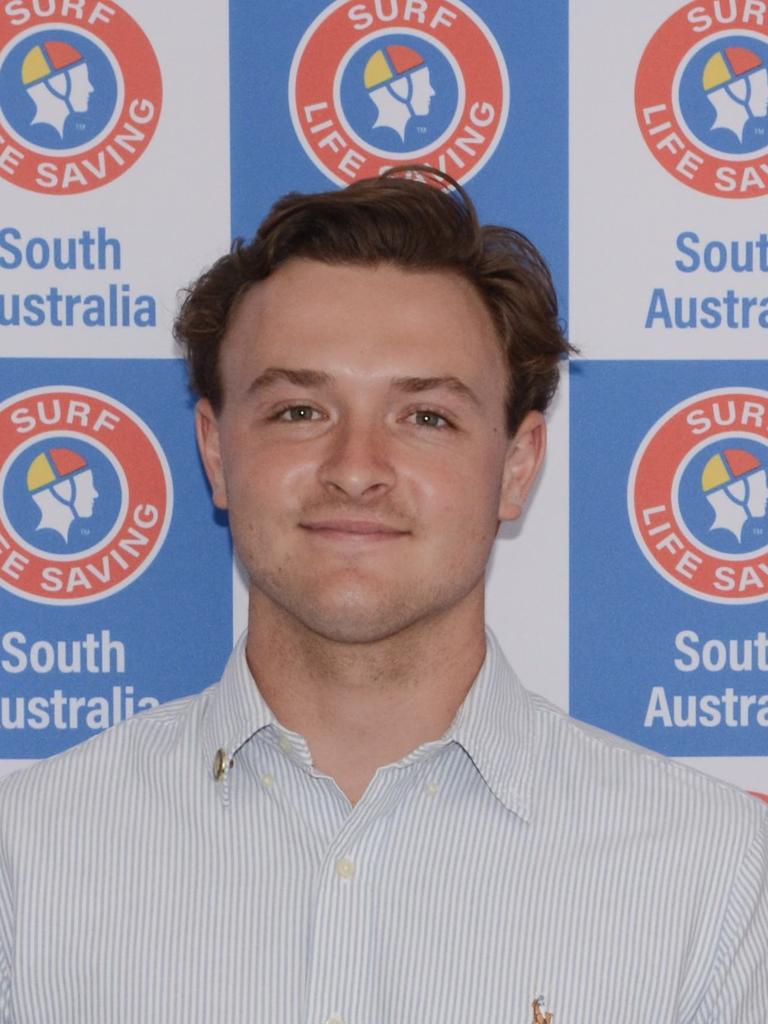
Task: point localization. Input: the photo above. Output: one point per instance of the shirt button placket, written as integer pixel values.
(340, 901)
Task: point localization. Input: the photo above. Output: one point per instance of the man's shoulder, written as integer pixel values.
(156, 740)
(585, 761)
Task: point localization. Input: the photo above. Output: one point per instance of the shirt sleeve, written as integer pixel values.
(738, 989)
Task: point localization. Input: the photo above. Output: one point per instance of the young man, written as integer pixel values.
(369, 820)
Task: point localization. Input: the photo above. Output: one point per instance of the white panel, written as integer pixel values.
(8, 766)
(527, 594)
(627, 211)
(169, 212)
(239, 599)
(744, 772)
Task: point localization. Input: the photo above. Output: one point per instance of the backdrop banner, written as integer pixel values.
(632, 150)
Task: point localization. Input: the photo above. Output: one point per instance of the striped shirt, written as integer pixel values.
(190, 865)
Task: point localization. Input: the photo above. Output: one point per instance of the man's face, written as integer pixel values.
(361, 447)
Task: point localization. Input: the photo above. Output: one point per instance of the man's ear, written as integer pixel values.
(209, 443)
(525, 454)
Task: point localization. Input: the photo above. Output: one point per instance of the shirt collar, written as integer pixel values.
(237, 709)
(494, 725)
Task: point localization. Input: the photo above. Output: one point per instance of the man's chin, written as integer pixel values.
(356, 621)
(363, 610)
(355, 627)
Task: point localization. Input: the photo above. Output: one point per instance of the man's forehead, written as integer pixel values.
(379, 325)
(347, 285)
(383, 301)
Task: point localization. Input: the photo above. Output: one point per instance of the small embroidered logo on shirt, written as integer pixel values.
(540, 1014)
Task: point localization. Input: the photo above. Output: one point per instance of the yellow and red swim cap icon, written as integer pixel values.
(390, 62)
(727, 467)
(50, 467)
(51, 59)
(727, 65)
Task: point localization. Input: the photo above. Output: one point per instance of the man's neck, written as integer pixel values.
(362, 706)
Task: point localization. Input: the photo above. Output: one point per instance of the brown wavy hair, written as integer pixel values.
(426, 223)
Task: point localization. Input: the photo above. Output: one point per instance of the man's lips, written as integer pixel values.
(354, 527)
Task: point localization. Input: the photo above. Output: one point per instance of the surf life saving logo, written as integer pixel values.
(376, 85)
(80, 94)
(698, 495)
(701, 96)
(85, 495)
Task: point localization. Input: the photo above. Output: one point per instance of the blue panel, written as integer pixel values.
(668, 628)
(524, 181)
(110, 616)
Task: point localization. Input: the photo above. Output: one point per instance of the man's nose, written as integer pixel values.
(358, 459)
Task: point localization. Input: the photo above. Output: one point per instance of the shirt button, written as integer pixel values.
(285, 744)
(431, 788)
(344, 867)
(221, 763)
(267, 780)
(333, 1020)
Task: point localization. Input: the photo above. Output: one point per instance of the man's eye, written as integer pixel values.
(296, 414)
(429, 418)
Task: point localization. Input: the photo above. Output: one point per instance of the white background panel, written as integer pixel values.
(745, 772)
(527, 595)
(170, 210)
(627, 211)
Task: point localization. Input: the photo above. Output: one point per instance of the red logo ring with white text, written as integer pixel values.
(368, 92)
(85, 495)
(698, 495)
(80, 95)
(701, 96)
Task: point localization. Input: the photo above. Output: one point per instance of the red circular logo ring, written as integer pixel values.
(671, 547)
(339, 31)
(64, 415)
(79, 168)
(660, 83)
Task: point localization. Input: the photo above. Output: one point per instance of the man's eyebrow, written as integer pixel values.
(318, 378)
(301, 378)
(454, 384)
